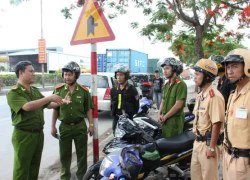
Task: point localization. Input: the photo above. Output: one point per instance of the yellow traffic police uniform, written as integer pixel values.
(238, 130)
(210, 109)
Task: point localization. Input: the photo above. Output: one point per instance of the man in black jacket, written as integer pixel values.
(123, 96)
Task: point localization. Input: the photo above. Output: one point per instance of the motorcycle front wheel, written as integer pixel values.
(93, 172)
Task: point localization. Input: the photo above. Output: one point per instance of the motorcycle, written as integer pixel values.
(141, 130)
(166, 158)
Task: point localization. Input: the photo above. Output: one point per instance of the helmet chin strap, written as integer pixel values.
(71, 84)
(238, 80)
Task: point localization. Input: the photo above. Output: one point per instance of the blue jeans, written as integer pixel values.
(157, 99)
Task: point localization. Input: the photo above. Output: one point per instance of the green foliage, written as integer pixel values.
(49, 79)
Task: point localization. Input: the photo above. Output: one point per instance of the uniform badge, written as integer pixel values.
(211, 93)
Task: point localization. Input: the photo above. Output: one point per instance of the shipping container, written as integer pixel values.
(152, 65)
(101, 62)
(135, 60)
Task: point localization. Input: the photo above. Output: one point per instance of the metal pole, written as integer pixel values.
(94, 99)
(42, 38)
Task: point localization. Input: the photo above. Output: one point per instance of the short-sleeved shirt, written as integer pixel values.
(171, 94)
(239, 128)
(158, 85)
(209, 107)
(16, 98)
(81, 102)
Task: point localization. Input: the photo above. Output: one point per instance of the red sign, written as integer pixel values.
(92, 25)
(41, 51)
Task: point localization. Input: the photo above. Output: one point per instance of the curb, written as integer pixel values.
(53, 172)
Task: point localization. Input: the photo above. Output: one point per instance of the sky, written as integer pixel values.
(20, 27)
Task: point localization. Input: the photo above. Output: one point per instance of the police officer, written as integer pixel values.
(124, 96)
(73, 126)
(26, 104)
(171, 113)
(209, 115)
(236, 158)
(224, 84)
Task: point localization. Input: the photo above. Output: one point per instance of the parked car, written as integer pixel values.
(105, 81)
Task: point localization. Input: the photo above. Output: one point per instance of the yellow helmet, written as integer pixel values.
(207, 66)
(239, 55)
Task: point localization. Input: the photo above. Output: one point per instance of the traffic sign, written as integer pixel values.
(92, 25)
(41, 51)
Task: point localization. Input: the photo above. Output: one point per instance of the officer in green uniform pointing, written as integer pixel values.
(26, 104)
(73, 126)
(171, 112)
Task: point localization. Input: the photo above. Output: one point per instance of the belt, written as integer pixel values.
(235, 152)
(200, 138)
(72, 123)
(29, 130)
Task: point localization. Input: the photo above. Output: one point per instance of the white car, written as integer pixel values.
(105, 81)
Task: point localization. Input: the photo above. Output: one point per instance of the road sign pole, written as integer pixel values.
(94, 100)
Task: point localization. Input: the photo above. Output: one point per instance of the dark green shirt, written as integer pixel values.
(16, 98)
(172, 93)
(80, 103)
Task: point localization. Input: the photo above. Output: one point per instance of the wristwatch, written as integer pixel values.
(91, 125)
(211, 149)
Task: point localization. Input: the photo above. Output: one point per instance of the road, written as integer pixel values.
(51, 149)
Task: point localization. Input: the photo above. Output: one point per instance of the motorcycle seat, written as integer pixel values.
(177, 143)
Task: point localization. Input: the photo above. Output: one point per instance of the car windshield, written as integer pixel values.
(85, 80)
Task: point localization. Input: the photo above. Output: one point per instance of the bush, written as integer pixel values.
(49, 79)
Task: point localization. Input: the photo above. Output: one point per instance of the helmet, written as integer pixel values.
(179, 68)
(190, 104)
(72, 67)
(208, 68)
(239, 55)
(123, 69)
(170, 62)
(218, 59)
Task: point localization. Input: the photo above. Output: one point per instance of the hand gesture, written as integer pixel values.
(56, 99)
(67, 99)
(53, 131)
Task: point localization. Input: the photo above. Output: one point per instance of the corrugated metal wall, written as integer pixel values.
(137, 61)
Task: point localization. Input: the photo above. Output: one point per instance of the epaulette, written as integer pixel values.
(177, 81)
(84, 88)
(59, 86)
(34, 87)
(211, 93)
(14, 87)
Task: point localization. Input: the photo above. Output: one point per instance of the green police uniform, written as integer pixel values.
(73, 128)
(27, 137)
(172, 93)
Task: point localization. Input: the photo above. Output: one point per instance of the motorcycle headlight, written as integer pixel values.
(106, 163)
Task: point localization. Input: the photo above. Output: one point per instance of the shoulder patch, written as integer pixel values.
(177, 81)
(211, 93)
(34, 87)
(84, 88)
(59, 86)
(14, 87)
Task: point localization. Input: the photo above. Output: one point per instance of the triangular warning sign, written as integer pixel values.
(92, 25)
